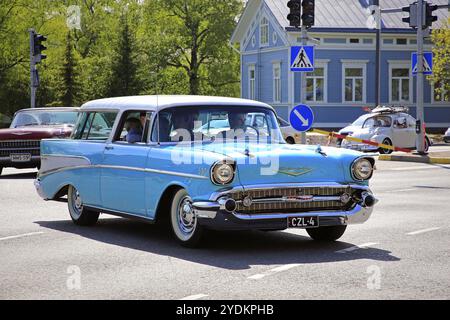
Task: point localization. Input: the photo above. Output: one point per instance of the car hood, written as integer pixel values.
(35, 132)
(349, 129)
(283, 163)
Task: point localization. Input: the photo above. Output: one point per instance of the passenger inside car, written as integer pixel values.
(134, 130)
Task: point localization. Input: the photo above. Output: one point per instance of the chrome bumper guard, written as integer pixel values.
(360, 212)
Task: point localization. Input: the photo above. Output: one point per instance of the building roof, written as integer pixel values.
(354, 13)
(161, 102)
(341, 15)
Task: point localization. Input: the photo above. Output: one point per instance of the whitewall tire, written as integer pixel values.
(183, 220)
(79, 214)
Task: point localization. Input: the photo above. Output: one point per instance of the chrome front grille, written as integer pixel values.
(20, 146)
(286, 200)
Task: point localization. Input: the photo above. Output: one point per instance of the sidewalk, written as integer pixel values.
(440, 157)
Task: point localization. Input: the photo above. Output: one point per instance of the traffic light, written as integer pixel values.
(38, 47)
(429, 18)
(412, 18)
(308, 13)
(295, 13)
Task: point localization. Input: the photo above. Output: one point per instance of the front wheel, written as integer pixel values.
(326, 233)
(183, 220)
(79, 214)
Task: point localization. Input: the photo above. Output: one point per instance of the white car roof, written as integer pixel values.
(166, 101)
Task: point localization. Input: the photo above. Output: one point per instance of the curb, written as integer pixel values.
(424, 159)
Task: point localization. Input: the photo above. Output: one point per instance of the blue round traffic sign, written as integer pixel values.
(301, 118)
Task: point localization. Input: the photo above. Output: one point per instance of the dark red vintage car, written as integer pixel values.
(20, 143)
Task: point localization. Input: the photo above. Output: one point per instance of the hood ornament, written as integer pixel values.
(295, 172)
(320, 151)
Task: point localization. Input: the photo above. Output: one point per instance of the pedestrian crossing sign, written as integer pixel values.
(427, 63)
(302, 58)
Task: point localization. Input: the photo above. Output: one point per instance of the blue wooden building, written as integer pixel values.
(343, 82)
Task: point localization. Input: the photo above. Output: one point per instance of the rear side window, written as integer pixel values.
(94, 125)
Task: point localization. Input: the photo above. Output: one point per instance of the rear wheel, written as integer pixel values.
(183, 220)
(326, 233)
(386, 151)
(1, 169)
(79, 214)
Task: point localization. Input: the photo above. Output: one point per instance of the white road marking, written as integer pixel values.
(195, 297)
(400, 190)
(257, 276)
(422, 231)
(424, 167)
(361, 246)
(274, 270)
(21, 235)
(284, 267)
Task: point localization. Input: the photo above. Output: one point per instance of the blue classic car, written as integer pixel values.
(197, 162)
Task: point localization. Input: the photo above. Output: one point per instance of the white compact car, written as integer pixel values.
(388, 125)
(447, 136)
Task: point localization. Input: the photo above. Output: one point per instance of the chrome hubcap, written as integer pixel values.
(186, 216)
(77, 204)
(77, 201)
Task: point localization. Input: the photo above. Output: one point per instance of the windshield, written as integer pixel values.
(44, 118)
(360, 121)
(217, 124)
(378, 122)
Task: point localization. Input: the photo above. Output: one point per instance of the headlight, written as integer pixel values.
(362, 169)
(222, 173)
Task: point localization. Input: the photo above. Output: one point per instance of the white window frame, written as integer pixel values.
(251, 82)
(276, 90)
(264, 25)
(355, 64)
(320, 64)
(400, 64)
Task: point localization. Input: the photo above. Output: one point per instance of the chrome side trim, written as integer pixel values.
(216, 195)
(172, 173)
(120, 213)
(53, 162)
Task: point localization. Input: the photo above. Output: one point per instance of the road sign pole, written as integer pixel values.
(378, 55)
(32, 71)
(420, 78)
(303, 81)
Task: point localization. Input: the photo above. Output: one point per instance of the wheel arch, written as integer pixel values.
(165, 201)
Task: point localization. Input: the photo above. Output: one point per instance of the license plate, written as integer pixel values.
(303, 222)
(20, 157)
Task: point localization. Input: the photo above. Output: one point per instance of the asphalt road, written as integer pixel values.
(402, 252)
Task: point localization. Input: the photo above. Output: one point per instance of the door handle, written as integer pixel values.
(109, 148)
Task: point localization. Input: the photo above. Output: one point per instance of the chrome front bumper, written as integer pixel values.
(359, 213)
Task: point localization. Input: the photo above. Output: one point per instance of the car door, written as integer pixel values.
(122, 182)
(400, 132)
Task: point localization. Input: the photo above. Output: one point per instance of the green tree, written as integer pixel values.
(124, 79)
(70, 88)
(194, 37)
(441, 63)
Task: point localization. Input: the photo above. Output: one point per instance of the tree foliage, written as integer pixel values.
(118, 47)
(441, 63)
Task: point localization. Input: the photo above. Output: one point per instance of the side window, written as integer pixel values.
(133, 127)
(94, 126)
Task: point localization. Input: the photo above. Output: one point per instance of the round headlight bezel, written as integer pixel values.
(356, 172)
(222, 165)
